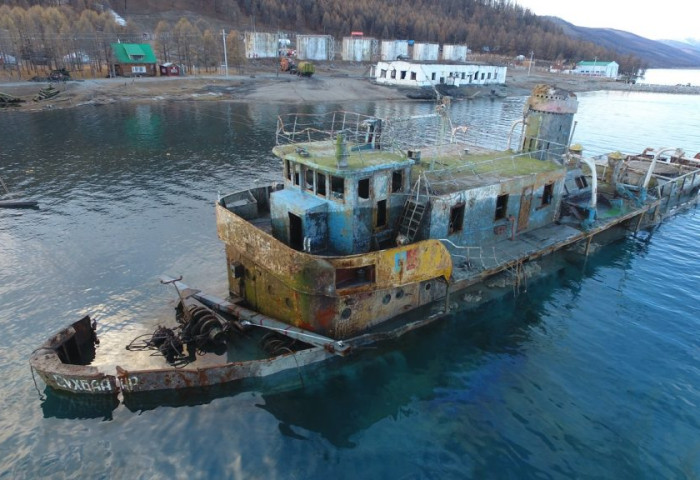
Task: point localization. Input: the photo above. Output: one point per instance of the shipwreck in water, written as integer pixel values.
(373, 219)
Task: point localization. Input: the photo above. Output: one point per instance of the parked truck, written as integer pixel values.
(303, 69)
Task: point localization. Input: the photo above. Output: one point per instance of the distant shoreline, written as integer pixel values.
(331, 83)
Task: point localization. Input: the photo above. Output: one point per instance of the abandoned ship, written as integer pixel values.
(375, 218)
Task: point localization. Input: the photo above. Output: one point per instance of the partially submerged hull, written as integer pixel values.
(363, 231)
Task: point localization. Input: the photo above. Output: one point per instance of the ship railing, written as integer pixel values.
(474, 254)
(295, 128)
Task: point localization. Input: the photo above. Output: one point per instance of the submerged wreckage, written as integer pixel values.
(375, 218)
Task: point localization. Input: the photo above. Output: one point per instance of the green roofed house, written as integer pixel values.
(597, 68)
(133, 60)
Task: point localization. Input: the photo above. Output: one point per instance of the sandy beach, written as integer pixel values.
(332, 82)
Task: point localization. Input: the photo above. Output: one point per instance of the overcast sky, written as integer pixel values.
(668, 19)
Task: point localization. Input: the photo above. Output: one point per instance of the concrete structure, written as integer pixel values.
(454, 53)
(359, 49)
(315, 47)
(425, 74)
(597, 69)
(394, 50)
(426, 52)
(261, 45)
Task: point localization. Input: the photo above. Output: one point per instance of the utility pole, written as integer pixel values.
(223, 35)
(532, 54)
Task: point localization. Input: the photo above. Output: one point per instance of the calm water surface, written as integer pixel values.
(594, 372)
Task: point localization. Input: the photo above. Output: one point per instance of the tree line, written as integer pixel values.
(77, 33)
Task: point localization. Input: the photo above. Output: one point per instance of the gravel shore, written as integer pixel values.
(332, 82)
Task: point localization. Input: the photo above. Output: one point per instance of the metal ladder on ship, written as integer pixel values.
(413, 211)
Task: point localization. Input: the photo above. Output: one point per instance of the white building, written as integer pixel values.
(261, 45)
(359, 49)
(315, 47)
(426, 52)
(597, 69)
(426, 74)
(454, 53)
(394, 49)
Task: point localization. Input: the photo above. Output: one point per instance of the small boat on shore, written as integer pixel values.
(374, 229)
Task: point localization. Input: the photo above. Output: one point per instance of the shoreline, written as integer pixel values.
(330, 84)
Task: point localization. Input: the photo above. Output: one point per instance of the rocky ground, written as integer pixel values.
(332, 82)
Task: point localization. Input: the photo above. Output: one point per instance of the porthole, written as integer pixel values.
(288, 302)
(386, 299)
(427, 286)
(346, 314)
(399, 293)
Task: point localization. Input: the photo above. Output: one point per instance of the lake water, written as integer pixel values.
(594, 372)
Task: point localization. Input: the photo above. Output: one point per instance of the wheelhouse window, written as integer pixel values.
(501, 207)
(456, 218)
(547, 194)
(397, 181)
(320, 184)
(297, 174)
(337, 187)
(363, 188)
(381, 214)
(581, 182)
(309, 179)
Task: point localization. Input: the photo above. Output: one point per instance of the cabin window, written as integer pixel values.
(393, 74)
(489, 76)
(547, 194)
(581, 182)
(288, 170)
(463, 75)
(354, 277)
(363, 188)
(433, 76)
(403, 74)
(413, 75)
(456, 218)
(396, 181)
(337, 186)
(297, 174)
(309, 179)
(320, 184)
(382, 73)
(381, 214)
(501, 207)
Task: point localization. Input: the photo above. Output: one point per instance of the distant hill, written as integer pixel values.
(657, 54)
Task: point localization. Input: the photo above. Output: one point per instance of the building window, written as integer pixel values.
(363, 188)
(337, 186)
(382, 73)
(463, 74)
(397, 181)
(403, 74)
(393, 74)
(501, 207)
(547, 194)
(456, 219)
(433, 76)
(413, 75)
(489, 76)
(320, 184)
